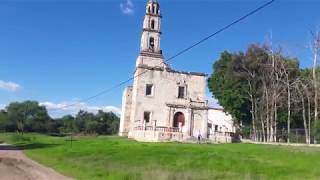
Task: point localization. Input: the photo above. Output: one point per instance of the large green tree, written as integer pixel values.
(253, 85)
(229, 89)
(28, 115)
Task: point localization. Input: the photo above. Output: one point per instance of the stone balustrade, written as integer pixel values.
(221, 137)
(158, 128)
(167, 129)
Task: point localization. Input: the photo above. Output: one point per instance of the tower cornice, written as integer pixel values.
(154, 15)
(151, 30)
(151, 54)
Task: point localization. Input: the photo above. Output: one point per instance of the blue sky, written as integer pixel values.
(61, 51)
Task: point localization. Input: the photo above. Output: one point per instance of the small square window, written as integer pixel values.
(181, 92)
(149, 90)
(147, 117)
(216, 128)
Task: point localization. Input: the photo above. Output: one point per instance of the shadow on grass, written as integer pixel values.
(26, 146)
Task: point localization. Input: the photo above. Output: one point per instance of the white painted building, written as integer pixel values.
(220, 125)
(219, 120)
(163, 104)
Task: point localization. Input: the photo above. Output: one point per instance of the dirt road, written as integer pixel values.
(14, 165)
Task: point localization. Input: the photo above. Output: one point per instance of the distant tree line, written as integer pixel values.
(29, 116)
(267, 92)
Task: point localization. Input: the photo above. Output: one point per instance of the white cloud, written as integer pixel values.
(9, 86)
(127, 7)
(60, 109)
(2, 106)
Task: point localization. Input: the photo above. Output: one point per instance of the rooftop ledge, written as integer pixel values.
(143, 66)
(188, 73)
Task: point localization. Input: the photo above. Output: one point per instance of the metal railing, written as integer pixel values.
(282, 136)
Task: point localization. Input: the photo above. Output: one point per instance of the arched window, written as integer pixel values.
(152, 24)
(151, 43)
(153, 9)
(149, 10)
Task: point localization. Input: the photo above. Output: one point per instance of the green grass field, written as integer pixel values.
(119, 158)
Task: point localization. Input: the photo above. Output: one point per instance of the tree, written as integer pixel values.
(66, 124)
(101, 123)
(315, 47)
(3, 120)
(229, 89)
(115, 123)
(80, 119)
(28, 115)
(259, 80)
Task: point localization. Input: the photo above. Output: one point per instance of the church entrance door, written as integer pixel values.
(178, 119)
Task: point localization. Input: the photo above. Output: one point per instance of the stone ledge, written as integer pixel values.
(154, 15)
(187, 106)
(188, 73)
(171, 70)
(151, 54)
(151, 30)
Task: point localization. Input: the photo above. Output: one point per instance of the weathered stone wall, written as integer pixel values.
(165, 92)
(126, 111)
(220, 138)
(200, 123)
(155, 61)
(155, 136)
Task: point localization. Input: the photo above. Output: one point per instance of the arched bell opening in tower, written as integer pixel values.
(151, 44)
(152, 24)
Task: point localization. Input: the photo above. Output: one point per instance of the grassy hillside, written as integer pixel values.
(120, 158)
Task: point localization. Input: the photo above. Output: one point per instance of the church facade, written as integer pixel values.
(162, 104)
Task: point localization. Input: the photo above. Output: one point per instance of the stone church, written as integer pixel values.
(163, 104)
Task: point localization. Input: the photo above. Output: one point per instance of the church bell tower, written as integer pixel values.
(150, 40)
(150, 51)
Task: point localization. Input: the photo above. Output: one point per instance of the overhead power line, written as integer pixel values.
(181, 52)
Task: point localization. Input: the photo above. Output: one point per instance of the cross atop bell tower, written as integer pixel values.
(150, 40)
